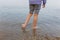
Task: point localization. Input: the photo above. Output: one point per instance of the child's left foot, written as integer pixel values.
(34, 31)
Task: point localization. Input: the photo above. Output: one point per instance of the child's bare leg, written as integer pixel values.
(27, 20)
(35, 22)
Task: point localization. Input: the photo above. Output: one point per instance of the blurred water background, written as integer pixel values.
(14, 12)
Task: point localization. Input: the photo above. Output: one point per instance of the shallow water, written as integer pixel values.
(11, 19)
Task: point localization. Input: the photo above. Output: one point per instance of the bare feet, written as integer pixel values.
(34, 31)
(23, 27)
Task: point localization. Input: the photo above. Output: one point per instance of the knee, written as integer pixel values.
(35, 14)
(31, 14)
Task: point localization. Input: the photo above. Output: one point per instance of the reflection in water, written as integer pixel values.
(28, 36)
(9, 31)
(34, 35)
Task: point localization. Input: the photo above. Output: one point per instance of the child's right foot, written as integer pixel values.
(23, 27)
